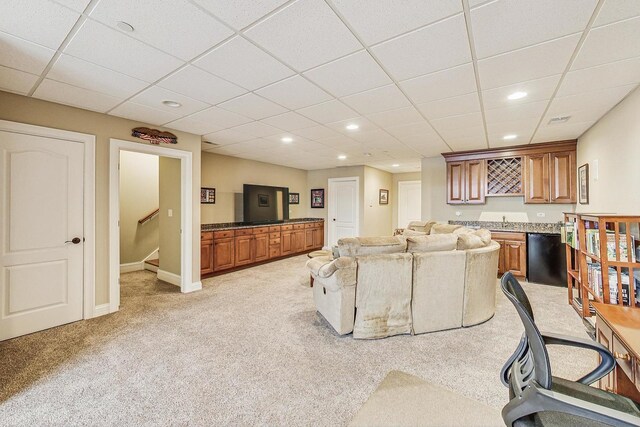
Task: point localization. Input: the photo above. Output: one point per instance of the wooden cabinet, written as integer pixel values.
(206, 253)
(243, 250)
(536, 178)
(562, 175)
(287, 245)
(318, 236)
(223, 254)
(260, 247)
(513, 252)
(466, 182)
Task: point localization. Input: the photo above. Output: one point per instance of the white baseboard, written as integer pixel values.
(195, 286)
(131, 266)
(172, 278)
(150, 267)
(101, 310)
(153, 255)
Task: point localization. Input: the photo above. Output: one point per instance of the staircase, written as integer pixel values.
(152, 265)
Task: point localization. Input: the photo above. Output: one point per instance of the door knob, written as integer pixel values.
(334, 219)
(75, 240)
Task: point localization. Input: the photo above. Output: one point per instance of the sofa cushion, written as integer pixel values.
(358, 246)
(463, 230)
(474, 240)
(409, 232)
(444, 228)
(424, 226)
(432, 243)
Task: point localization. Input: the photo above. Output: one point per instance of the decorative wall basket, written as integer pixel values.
(154, 136)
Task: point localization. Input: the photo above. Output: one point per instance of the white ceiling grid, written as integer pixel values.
(418, 77)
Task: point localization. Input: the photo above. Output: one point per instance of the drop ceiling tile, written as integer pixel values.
(391, 18)
(523, 138)
(257, 129)
(596, 102)
(304, 34)
(504, 25)
(197, 84)
(76, 72)
(23, 55)
(338, 142)
(617, 10)
(443, 84)
(328, 112)
(240, 13)
(535, 62)
(77, 5)
(195, 31)
(237, 61)
(560, 132)
(530, 110)
(418, 128)
(522, 128)
(609, 43)
(613, 74)
(455, 106)
(433, 48)
(471, 142)
(253, 106)
(120, 53)
(377, 100)
(316, 132)
(294, 92)
(154, 96)
(396, 117)
(376, 137)
(42, 22)
(537, 90)
(16, 81)
(227, 136)
(187, 124)
(463, 121)
(426, 146)
(143, 113)
(289, 121)
(62, 93)
(222, 118)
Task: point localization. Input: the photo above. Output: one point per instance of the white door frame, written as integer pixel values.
(401, 183)
(186, 186)
(89, 309)
(329, 208)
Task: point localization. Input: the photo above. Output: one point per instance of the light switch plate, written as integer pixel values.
(170, 213)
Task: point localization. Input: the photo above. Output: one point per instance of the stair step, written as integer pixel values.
(154, 262)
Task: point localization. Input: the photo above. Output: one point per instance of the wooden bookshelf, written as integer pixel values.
(602, 260)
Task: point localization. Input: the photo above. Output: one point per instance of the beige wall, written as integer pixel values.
(377, 217)
(138, 197)
(613, 144)
(434, 200)
(399, 177)
(170, 182)
(227, 175)
(37, 112)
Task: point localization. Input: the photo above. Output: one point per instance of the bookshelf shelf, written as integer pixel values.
(603, 260)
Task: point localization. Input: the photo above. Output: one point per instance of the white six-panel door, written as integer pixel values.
(409, 202)
(343, 209)
(41, 212)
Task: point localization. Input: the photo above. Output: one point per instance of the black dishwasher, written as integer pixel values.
(546, 259)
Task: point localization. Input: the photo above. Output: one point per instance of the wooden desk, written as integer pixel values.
(618, 329)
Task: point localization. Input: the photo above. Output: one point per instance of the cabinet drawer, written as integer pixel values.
(287, 227)
(222, 234)
(310, 225)
(508, 235)
(623, 357)
(298, 226)
(260, 230)
(274, 235)
(274, 241)
(244, 232)
(274, 229)
(274, 251)
(206, 235)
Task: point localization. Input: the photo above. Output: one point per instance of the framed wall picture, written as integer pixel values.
(583, 183)
(263, 200)
(207, 196)
(384, 197)
(294, 198)
(317, 198)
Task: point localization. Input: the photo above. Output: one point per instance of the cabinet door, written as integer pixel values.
(604, 336)
(515, 258)
(318, 237)
(501, 269)
(298, 241)
(308, 239)
(455, 182)
(223, 254)
(287, 246)
(563, 177)
(244, 254)
(474, 181)
(536, 178)
(206, 257)
(261, 247)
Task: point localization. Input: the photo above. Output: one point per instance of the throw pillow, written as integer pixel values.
(409, 232)
(424, 226)
(469, 241)
(432, 243)
(463, 230)
(444, 228)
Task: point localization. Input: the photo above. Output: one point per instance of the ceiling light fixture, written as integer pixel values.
(352, 126)
(395, 165)
(286, 139)
(172, 104)
(517, 95)
(342, 157)
(124, 26)
(510, 137)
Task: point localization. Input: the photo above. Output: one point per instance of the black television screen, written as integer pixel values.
(264, 204)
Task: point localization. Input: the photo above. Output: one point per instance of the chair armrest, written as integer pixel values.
(607, 363)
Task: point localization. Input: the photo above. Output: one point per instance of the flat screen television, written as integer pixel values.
(265, 204)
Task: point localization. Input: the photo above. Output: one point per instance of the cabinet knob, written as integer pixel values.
(622, 356)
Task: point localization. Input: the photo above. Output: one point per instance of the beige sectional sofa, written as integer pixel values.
(411, 283)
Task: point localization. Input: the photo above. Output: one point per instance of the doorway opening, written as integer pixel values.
(343, 209)
(409, 202)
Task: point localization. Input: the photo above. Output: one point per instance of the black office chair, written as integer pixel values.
(539, 399)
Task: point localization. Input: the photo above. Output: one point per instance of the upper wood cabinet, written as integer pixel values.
(466, 182)
(563, 177)
(536, 178)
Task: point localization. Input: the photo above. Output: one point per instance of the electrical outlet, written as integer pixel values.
(170, 213)
(458, 213)
(541, 214)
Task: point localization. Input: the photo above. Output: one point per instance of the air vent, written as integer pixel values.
(210, 143)
(559, 119)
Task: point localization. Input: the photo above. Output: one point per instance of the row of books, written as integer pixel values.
(594, 274)
(628, 250)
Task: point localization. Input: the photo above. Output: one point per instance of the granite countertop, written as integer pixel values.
(236, 225)
(519, 227)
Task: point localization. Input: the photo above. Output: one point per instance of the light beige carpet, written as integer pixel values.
(249, 349)
(404, 400)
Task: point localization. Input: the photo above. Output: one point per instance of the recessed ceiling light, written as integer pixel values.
(342, 157)
(395, 165)
(286, 139)
(172, 104)
(509, 137)
(517, 95)
(124, 26)
(352, 126)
